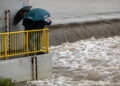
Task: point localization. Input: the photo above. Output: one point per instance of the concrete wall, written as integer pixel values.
(13, 6)
(21, 69)
(44, 67)
(16, 69)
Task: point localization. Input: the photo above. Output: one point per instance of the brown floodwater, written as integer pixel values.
(72, 32)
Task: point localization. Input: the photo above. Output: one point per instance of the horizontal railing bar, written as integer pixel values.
(24, 53)
(24, 31)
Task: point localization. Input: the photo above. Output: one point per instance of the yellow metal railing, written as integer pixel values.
(23, 42)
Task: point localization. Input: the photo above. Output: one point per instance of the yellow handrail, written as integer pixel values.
(23, 42)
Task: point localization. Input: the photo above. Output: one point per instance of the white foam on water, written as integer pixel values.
(85, 63)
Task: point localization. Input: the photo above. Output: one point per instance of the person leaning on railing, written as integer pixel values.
(32, 25)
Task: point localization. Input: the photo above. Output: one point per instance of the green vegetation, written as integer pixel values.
(6, 82)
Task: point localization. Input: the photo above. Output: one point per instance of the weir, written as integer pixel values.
(72, 32)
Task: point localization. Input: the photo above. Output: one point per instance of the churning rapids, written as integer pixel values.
(91, 62)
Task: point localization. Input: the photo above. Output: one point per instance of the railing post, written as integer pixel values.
(5, 45)
(27, 47)
(47, 40)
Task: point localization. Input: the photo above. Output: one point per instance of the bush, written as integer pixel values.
(6, 82)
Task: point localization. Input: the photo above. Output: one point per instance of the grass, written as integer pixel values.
(6, 82)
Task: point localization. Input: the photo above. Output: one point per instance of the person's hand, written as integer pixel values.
(49, 20)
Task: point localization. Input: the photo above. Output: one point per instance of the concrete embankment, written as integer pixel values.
(27, 68)
(72, 32)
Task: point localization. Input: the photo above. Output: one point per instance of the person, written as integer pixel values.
(39, 24)
(33, 25)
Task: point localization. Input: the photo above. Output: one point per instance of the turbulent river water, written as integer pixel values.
(91, 62)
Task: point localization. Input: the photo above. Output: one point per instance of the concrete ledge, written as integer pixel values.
(21, 69)
(44, 66)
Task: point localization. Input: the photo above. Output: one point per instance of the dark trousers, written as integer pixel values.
(34, 37)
